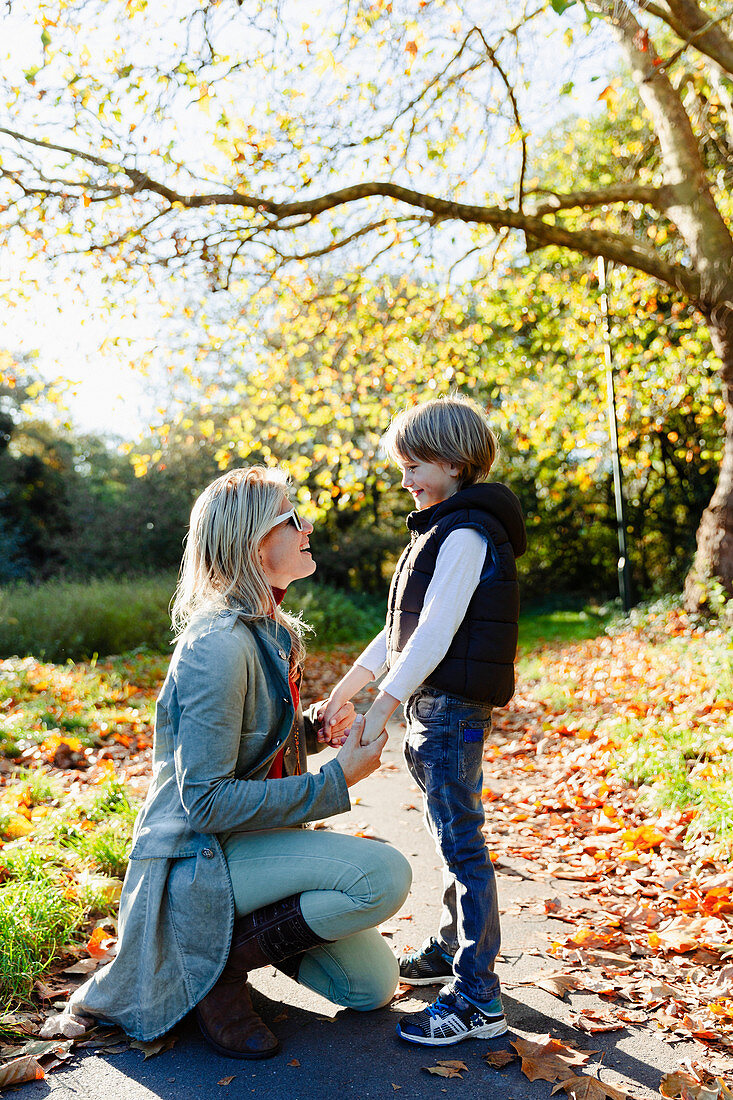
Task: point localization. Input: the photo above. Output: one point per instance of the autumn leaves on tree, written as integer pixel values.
(372, 146)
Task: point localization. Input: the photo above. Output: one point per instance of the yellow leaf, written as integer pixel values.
(17, 827)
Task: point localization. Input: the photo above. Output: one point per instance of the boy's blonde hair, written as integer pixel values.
(221, 567)
(453, 430)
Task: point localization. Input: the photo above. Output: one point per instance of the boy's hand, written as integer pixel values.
(377, 717)
(373, 728)
(334, 720)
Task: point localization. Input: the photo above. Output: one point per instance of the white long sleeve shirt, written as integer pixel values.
(458, 570)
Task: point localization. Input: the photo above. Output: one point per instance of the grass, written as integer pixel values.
(62, 620)
(79, 706)
(336, 617)
(60, 872)
(35, 918)
(72, 620)
(684, 757)
(542, 625)
(657, 691)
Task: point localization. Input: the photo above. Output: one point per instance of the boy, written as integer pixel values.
(449, 645)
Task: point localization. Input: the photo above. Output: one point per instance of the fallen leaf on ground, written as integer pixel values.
(500, 1058)
(226, 1080)
(593, 1022)
(82, 966)
(48, 993)
(100, 944)
(20, 1070)
(548, 1059)
(294, 1062)
(588, 1088)
(66, 1024)
(557, 984)
(39, 1048)
(447, 1069)
(681, 1084)
(155, 1046)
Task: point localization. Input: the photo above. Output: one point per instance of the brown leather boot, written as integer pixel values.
(230, 1024)
(273, 935)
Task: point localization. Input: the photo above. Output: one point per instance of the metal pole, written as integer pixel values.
(624, 573)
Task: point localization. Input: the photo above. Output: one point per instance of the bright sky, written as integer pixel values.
(64, 322)
(69, 334)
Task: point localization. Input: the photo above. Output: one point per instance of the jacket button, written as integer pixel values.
(207, 853)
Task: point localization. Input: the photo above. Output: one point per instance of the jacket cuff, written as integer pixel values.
(333, 770)
(312, 744)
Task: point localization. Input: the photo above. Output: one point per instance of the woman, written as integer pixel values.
(221, 878)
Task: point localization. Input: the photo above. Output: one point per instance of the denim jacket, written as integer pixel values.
(224, 712)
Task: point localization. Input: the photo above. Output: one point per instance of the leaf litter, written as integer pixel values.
(650, 928)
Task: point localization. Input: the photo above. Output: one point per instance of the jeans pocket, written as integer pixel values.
(471, 764)
(425, 704)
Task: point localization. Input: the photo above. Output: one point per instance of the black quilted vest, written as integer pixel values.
(479, 664)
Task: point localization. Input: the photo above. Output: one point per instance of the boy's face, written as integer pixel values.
(429, 482)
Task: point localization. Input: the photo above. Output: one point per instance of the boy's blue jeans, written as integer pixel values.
(444, 752)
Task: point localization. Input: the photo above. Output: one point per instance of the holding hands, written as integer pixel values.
(358, 760)
(338, 712)
(334, 721)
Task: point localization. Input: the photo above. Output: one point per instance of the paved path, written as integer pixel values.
(329, 1052)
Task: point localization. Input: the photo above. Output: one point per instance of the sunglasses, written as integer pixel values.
(291, 515)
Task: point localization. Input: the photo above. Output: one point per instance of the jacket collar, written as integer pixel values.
(491, 497)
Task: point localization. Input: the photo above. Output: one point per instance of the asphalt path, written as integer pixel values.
(331, 1052)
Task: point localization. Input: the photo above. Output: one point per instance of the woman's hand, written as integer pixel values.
(334, 724)
(358, 761)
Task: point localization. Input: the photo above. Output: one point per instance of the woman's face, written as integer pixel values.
(284, 551)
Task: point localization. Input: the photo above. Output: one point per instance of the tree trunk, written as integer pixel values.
(714, 557)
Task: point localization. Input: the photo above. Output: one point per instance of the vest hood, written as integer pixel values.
(491, 497)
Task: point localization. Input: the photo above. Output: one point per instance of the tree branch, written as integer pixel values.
(515, 110)
(691, 205)
(616, 247)
(696, 28)
(657, 197)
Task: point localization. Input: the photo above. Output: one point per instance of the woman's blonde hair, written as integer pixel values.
(452, 429)
(221, 567)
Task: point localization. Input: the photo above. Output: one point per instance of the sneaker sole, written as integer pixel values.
(437, 980)
(489, 1031)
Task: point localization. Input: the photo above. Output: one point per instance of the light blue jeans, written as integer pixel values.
(348, 885)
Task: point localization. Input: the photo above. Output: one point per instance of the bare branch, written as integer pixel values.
(339, 243)
(515, 110)
(691, 205)
(621, 249)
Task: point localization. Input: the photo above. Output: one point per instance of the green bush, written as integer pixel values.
(336, 617)
(71, 620)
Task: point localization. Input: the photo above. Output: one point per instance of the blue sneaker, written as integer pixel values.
(450, 1019)
(428, 966)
